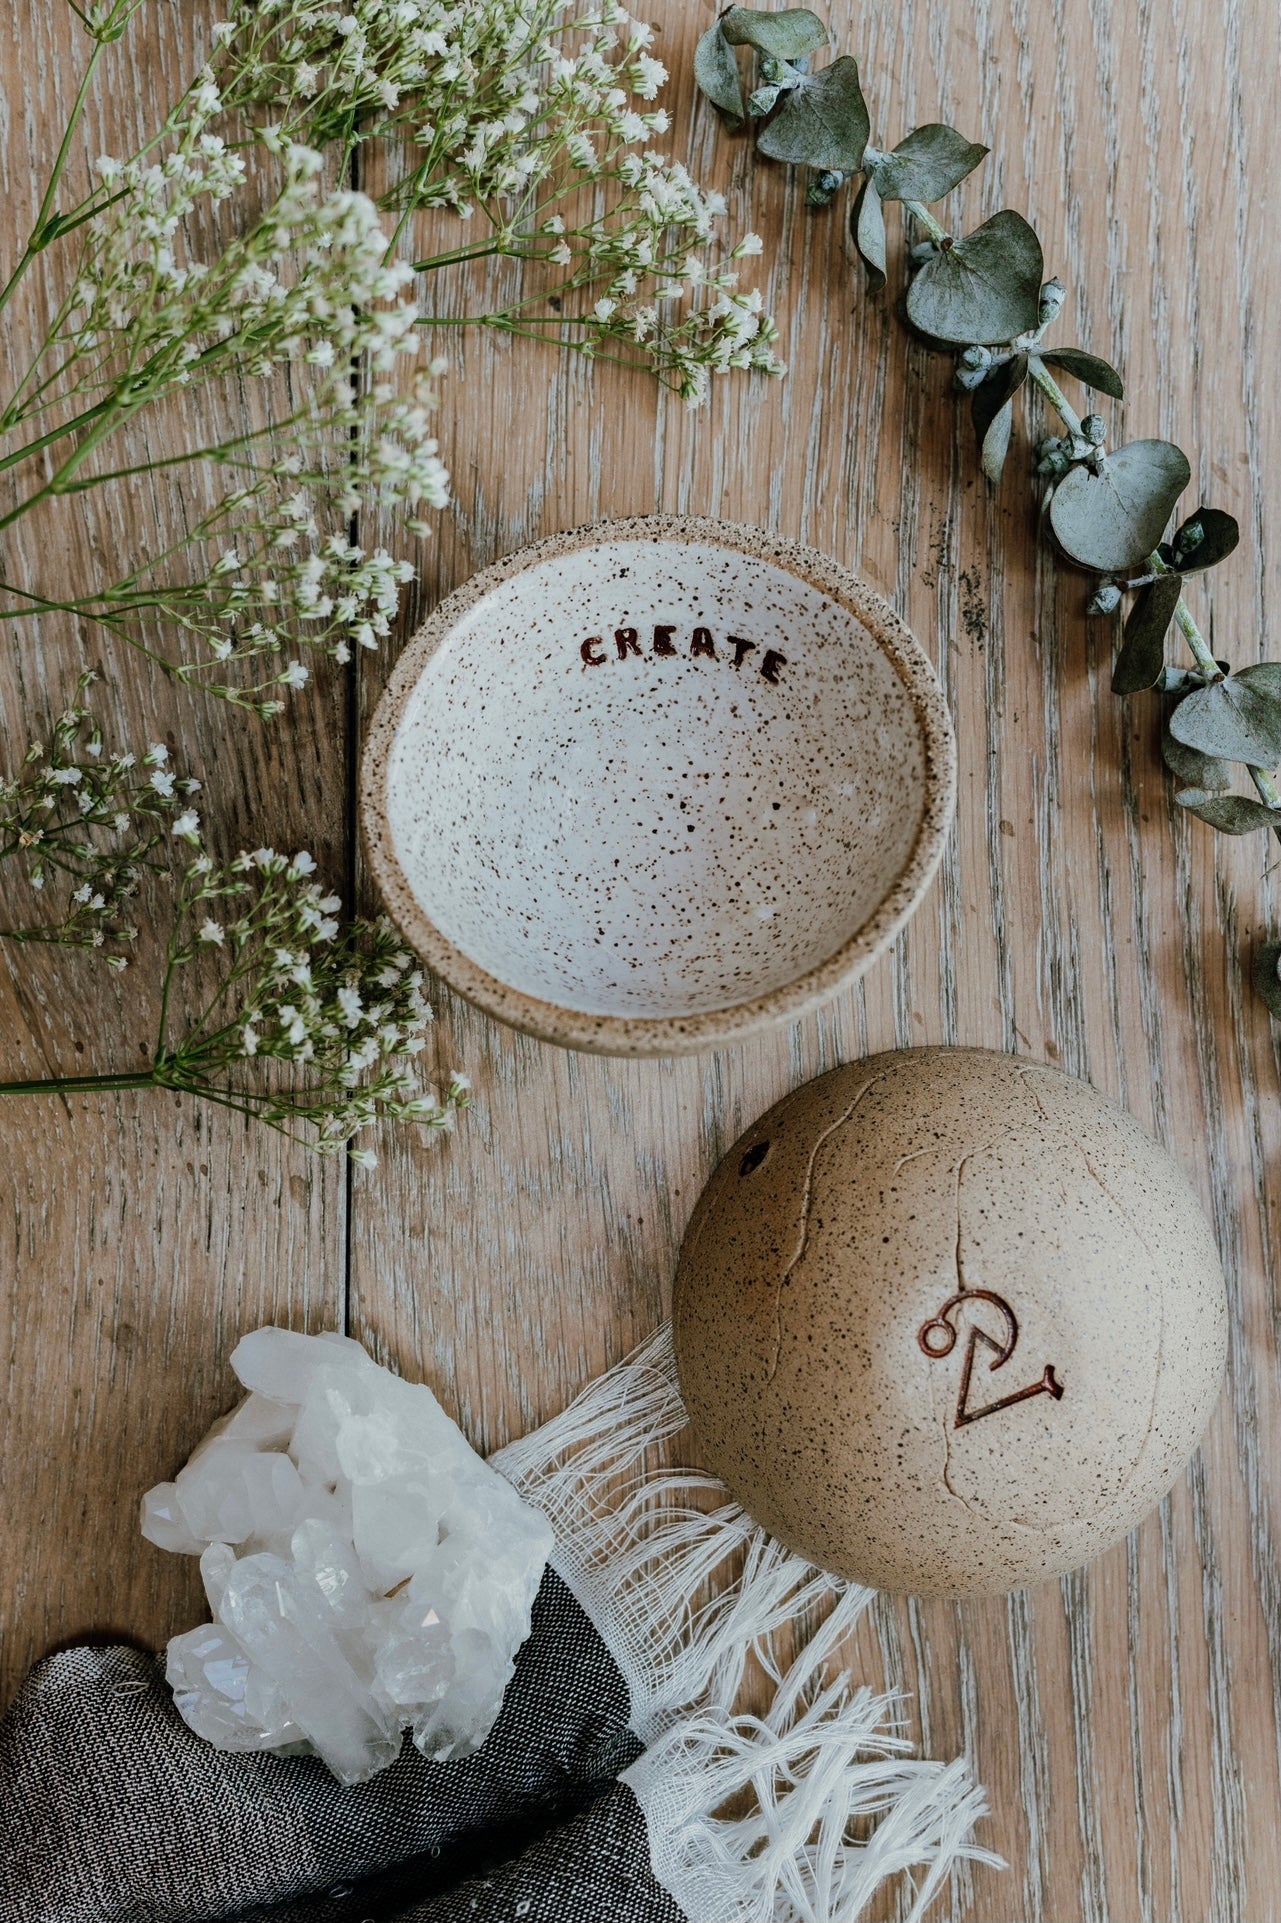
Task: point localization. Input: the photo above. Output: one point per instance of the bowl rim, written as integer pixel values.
(708, 1028)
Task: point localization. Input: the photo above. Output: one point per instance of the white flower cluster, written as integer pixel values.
(276, 585)
(337, 1006)
(525, 108)
(83, 827)
(310, 1021)
(476, 82)
(307, 279)
(219, 253)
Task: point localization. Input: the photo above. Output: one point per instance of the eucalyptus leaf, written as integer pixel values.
(867, 229)
(991, 405)
(1219, 536)
(1267, 978)
(1191, 767)
(1230, 814)
(1001, 385)
(996, 443)
(1142, 657)
(1111, 516)
(1238, 718)
(716, 73)
(1087, 368)
(823, 122)
(788, 35)
(983, 289)
(927, 165)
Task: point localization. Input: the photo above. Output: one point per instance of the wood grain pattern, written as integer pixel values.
(142, 1235)
(1124, 1719)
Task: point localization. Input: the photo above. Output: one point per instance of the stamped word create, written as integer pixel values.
(596, 651)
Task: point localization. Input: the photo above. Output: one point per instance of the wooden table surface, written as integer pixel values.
(1124, 1719)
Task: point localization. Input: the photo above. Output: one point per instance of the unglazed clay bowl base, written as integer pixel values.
(653, 784)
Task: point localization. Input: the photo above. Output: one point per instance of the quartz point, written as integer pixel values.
(367, 1572)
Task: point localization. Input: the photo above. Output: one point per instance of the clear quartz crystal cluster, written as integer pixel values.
(366, 1570)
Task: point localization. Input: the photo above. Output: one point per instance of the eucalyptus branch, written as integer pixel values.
(983, 296)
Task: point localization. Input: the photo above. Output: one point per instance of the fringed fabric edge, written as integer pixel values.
(838, 1801)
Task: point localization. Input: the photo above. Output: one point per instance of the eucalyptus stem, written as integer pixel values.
(1040, 376)
(922, 215)
(1264, 779)
(1201, 649)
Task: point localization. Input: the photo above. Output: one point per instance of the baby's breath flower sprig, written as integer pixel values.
(638, 288)
(538, 117)
(984, 298)
(276, 588)
(81, 827)
(121, 343)
(306, 280)
(305, 1021)
(217, 251)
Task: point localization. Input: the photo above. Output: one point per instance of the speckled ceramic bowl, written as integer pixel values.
(650, 785)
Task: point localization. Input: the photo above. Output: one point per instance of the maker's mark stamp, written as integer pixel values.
(937, 1338)
(669, 643)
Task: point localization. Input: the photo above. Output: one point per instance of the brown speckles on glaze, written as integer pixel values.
(638, 851)
(888, 1188)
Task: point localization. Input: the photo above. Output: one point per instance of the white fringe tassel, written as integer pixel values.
(639, 1552)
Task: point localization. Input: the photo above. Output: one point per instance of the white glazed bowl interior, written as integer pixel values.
(644, 779)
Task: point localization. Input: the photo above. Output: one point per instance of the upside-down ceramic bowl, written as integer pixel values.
(651, 785)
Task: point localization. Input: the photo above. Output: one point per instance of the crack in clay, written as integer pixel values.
(963, 1288)
(945, 1417)
(1124, 1214)
(807, 1195)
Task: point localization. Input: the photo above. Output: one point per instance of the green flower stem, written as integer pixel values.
(242, 1102)
(221, 452)
(36, 240)
(88, 1084)
(111, 415)
(487, 251)
(87, 419)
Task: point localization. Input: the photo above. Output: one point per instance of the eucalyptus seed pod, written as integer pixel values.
(1054, 457)
(823, 185)
(1053, 295)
